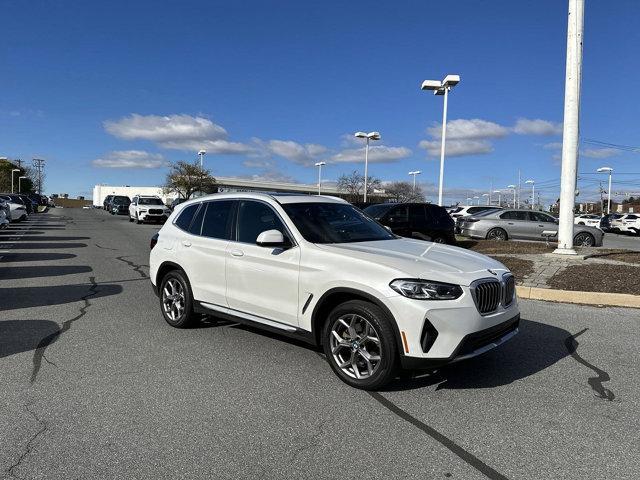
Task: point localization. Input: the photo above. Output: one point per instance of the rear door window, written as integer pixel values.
(255, 218)
(186, 216)
(217, 219)
(514, 215)
(417, 216)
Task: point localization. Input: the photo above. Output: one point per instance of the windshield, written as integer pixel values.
(377, 211)
(150, 201)
(121, 200)
(334, 223)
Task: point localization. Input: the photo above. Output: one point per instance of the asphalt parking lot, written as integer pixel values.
(97, 385)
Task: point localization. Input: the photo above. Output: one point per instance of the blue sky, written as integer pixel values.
(268, 88)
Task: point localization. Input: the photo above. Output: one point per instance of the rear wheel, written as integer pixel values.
(360, 345)
(176, 301)
(438, 240)
(584, 239)
(497, 234)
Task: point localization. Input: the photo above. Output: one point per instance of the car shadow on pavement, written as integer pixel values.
(17, 336)
(14, 273)
(35, 256)
(42, 246)
(28, 297)
(56, 239)
(536, 347)
(10, 233)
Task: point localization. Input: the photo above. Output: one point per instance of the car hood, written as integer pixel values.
(420, 259)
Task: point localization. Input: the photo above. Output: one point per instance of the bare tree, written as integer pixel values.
(6, 167)
(353, 185)
(186, 178)
(404, 192)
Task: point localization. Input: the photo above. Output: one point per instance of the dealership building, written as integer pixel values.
(223, 184)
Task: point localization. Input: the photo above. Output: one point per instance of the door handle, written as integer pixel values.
(237, 253)
(541, 225)
(510, 223)
(186, 243)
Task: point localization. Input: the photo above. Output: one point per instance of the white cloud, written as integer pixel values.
(526, 126)
(600, 152)
(552, 146)
(377, 154)
(301, 154)
(179, 132)
(457, 148)
(257, 163)
(468, 129)
(130, 159)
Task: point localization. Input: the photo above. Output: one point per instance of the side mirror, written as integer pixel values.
(271, 238)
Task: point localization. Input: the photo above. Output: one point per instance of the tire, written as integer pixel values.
(584, 239)
(130, 218)
(498, 234)
(176, 300)
(351, 350)
(580, 223)
(138, 221)
(438, 239)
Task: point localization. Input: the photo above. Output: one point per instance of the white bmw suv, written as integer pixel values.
(319, 269)
(145, 208)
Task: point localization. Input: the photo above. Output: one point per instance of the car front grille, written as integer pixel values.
(509, 290)
(155, 211)
(489, 293)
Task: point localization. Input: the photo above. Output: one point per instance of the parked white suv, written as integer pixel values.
(145, 208)
(319, 269)
(628, 223)
(588, 219)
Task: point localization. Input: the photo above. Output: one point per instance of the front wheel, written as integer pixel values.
(138, 221)
(496, 234)
(584, 239)
(176, 300)
(360, 345)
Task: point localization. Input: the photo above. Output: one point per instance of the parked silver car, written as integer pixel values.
(525, 225)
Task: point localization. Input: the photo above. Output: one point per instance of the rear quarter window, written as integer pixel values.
(186, 216)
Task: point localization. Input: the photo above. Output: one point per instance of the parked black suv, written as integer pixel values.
(107, 201)
(423, 221)
(119, 205)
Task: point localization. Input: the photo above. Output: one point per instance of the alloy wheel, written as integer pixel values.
(584, 240)
(173, 301)
(355, 346)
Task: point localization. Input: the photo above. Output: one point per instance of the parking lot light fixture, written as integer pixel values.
(533, 191)
(608, 170)
(19, 183)
(201, 154)
(12, 172)
(499, 192)
(367, 137)
(442, 88)
(476, 197)
(513, 187)
(414, 173)
(319, 165)
(486, 195)
(469, 200)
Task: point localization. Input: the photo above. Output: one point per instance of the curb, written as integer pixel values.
(585, 298)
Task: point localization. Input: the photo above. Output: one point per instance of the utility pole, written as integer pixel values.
(571, 129)
(38, 163)
(519, 187)
(490, 190)
(601, 199)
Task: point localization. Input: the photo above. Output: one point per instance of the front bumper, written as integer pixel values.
(153, 217)
(439, 332)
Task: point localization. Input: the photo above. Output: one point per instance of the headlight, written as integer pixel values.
(425, 289)
(142, 210)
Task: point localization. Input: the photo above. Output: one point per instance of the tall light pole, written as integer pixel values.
(499, 192)
(12, 172)
(367, 136)
(609, 170)
(486, 195)
(19, 183)
(477, 198)
(571, 127)
(414, 173)
(513, 187)
(201, 154)
(533, 191)
(469, 201)
(319, 165)
(442, 88)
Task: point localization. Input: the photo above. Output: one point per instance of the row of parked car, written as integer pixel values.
(140, 208)
(16, 207)
(628, 223)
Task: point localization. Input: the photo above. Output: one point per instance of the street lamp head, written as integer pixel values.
(15, 170)
(431, 85)
(451, 80)
(320, 164)
(476, 196)
(530, 181)
(415, 172)
(202, 152)
(485, 194)
(497, 191)
(373, 135)
(23, 176)
(511, 186)
(605, 169)
(360, 135)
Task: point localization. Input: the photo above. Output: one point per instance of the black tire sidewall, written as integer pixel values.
(188, 316)
(376, 316)
(503, 235)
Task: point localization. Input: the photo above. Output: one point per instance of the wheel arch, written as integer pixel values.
(334, 297)
(166, 267)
